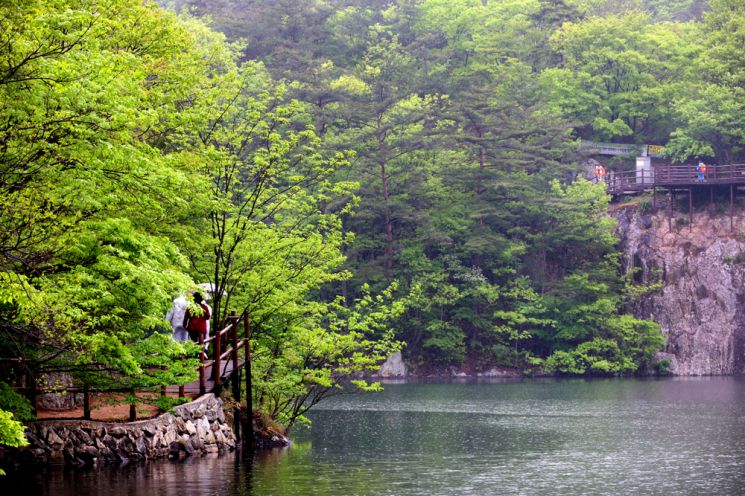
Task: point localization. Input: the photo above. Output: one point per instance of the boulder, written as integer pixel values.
(393, 367)
(82, 436)
(196, 442)
(118, 431)
(180, 424)
(54, 440)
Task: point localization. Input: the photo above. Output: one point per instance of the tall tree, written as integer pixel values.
(85, 269)
(619, 75)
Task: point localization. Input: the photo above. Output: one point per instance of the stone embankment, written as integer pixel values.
(196, 428)
(701, 305)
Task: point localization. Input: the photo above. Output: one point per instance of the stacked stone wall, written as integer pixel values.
(195, 428)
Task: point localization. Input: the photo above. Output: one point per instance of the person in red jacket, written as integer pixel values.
(196, 318)
(701, 172)
(599, 173)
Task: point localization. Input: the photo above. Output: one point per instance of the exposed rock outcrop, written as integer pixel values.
(701, 306)
(268, 434)
(393, 368)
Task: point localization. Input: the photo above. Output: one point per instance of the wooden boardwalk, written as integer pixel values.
(676, 179)
(192, 389)
(226, 363)
(674, 176)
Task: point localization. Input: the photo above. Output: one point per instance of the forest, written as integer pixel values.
(357, 176)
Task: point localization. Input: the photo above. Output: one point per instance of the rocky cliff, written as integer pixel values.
(701, 305)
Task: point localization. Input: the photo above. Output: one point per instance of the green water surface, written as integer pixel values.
(533, 437)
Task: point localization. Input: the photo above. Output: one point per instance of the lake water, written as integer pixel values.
(534, 437)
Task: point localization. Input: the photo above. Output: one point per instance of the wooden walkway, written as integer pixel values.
(676, 179)
(227, 362)
(673, 176)
(192, 389)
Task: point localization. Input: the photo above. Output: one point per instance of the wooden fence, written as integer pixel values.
(226, 362)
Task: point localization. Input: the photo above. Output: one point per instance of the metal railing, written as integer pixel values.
(597, 148)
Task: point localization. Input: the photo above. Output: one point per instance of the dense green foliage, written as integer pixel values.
(137, 156)
(337, 170)
(14, 409)
(465, 117)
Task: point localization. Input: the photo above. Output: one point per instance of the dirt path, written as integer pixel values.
(104, 408)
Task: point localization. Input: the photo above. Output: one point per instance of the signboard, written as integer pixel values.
(655, 150)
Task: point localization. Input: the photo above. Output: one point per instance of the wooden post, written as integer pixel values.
(181, 391)
(86, 402)
(248, 438)
(235, 375)
(731, 207)
(132, 407)
(237, 420)
(202, 378)
(163, 388)
(216, 362)
(32, 386)
(654, 198)
(234, 338)
(670, 211)
(690, 208)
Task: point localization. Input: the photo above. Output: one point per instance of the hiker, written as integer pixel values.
(176, 318)
(701, 170)
(196, 318)
(599, 172)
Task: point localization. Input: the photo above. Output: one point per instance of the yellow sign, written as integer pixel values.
(655, 149)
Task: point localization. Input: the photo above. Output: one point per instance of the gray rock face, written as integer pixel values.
(393, 367)
(701, 306)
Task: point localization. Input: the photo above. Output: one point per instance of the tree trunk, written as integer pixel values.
(383, 163)
(388, 222)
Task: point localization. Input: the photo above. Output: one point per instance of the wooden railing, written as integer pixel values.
(620, 182)
(673, 175)
(226, 345)
(226, 361)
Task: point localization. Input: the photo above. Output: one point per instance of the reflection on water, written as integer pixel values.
(621, 436)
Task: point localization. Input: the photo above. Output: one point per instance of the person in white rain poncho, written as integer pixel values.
(176, 317)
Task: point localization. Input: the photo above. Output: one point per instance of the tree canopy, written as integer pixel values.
(139, 156)
(465, 117)
(352, 175)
